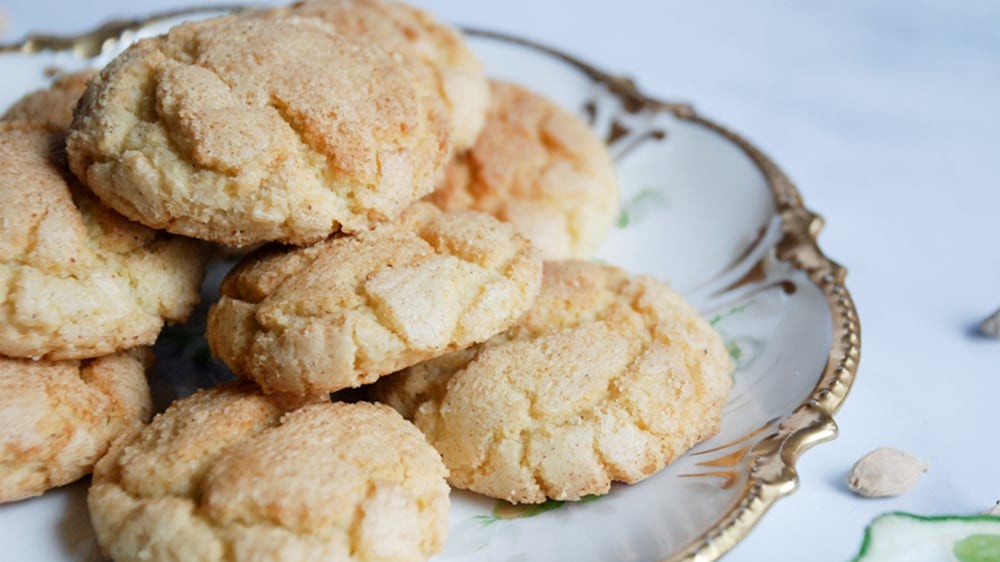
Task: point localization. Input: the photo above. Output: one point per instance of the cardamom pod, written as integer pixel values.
(885, 472)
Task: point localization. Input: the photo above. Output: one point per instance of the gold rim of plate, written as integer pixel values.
(772, 460)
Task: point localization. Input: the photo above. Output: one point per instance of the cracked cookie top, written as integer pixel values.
(57, 418)
(241, 130)
(229, 474)
(607, 378)
(540, 168)
(349, 309)
(52, 106)
(435, 51)
(77, 279)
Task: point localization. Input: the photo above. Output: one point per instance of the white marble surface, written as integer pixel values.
(886, 116)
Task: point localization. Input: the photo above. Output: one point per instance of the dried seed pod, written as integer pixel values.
(991, 325)
(885, 472)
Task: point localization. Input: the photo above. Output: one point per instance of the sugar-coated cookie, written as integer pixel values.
(54, 105)
(438, 52)
(607, 378)
(77, 279)
(229, 474)
(539, 167)
(243, 130)
(57, 418)
(349, 309)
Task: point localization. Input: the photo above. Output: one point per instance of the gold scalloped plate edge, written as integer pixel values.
(773, 474)
(92, 43)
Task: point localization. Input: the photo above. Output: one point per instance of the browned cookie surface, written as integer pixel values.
(607, 378)
(54, 105)
(540, 168)
(349, 309)
(439, 54)
(244, 130)
(76, 278)
(57, 418)
(231, 475)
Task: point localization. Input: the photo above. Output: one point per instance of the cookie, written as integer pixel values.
(52, 106)
(539, 167)
(245, 130)
(607, 378)
(228, 474)
(349, 309)
(77, 279)
(436, 51)
(57, 418)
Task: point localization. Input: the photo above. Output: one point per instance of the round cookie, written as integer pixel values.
(57, 418)
(539, 167)
(228, 474)
(77, 279)
(52, 106)
(245, 130)
(450, 68)
(349, 309)
(607, 378)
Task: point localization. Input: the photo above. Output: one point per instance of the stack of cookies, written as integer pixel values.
(419, 230)
(85, 292)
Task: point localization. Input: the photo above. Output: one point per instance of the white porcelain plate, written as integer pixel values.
(702, 209)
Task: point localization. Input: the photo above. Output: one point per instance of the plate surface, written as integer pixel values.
(702, 209)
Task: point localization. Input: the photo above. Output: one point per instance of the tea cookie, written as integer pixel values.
(607, 378)
(77, 279)
(52, 106)
(57, 418)
(539, 167)
(245, 130)
(437, 51)
(348, 310)
(227, 474)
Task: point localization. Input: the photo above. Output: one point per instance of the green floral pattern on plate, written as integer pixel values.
(635, 207)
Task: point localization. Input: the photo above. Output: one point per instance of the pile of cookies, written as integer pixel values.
(419, 229)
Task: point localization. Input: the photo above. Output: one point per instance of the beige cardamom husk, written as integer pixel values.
(885, 472)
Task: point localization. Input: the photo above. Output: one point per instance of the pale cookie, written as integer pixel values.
(57, 418)
(607, 378)
(52, 106)
(77, 279)
(539, 167)
(244, 130)
(350, 309)
(229, 475)
(438, 51)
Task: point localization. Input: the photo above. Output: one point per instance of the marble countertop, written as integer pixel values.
(885, 115)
